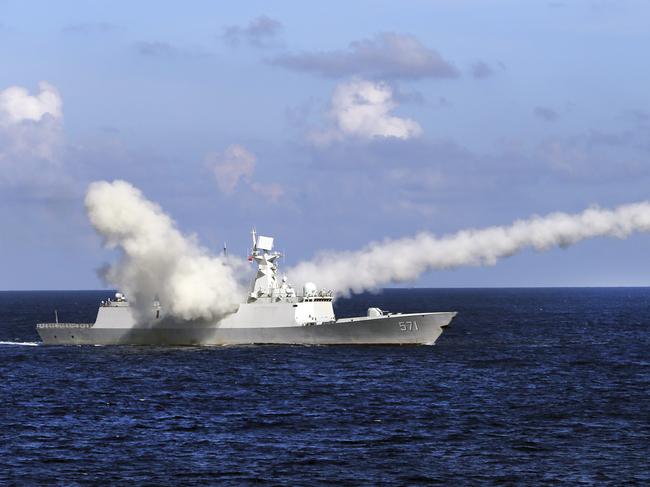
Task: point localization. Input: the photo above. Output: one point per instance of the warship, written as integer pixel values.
(274, 313)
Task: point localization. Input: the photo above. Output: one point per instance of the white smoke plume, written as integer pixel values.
(158, 260)
(406, 259)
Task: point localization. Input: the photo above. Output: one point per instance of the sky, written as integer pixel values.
(327, 125)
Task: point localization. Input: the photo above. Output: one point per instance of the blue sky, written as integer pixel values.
(239, 115)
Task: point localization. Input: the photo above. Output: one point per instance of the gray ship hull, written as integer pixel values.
(406, 329)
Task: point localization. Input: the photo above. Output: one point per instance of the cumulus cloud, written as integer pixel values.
(235, 168)
(260, 32)
(17, 105)
(31, 134)
(387, 55)
(362, 109)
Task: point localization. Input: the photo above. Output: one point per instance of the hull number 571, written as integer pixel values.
(408, 326)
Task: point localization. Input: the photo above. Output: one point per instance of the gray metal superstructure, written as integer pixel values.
(273, 314)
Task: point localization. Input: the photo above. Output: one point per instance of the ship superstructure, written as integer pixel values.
(274, 301)
(272, 313)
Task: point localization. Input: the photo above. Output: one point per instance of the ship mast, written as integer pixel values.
(266, 285)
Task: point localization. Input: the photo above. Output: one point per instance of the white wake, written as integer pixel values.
(22, 344)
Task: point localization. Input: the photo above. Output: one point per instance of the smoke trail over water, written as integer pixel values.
(157, 260)
(405, 259)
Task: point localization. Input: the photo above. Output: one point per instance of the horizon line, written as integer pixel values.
(625, 286)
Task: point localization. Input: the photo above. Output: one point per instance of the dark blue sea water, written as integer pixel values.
(526, 386)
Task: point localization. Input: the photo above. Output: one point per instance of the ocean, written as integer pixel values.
(527, 386)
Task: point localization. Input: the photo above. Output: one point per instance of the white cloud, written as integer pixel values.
(31, 135)
(362, 109)
(236, 165)
(17, 105)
